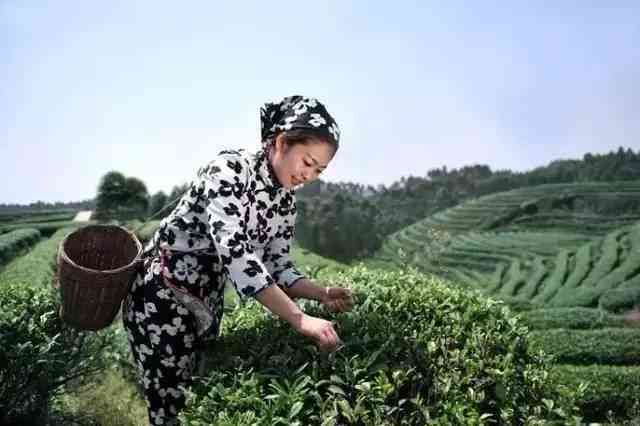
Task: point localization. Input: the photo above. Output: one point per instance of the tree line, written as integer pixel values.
(347, 221)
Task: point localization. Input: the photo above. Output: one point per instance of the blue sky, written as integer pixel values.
(154, 89)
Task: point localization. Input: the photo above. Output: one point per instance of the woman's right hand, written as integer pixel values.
(320, 331)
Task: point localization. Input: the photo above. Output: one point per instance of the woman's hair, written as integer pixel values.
(302, 137)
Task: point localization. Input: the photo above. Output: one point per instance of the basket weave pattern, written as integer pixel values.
(96, 266)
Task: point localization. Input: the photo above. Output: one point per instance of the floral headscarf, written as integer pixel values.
(298, 113)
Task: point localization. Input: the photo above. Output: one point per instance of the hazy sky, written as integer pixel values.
(154, 89)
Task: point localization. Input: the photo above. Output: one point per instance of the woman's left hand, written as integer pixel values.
(338, 299)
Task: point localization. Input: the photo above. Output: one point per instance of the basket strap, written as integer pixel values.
(156, 214)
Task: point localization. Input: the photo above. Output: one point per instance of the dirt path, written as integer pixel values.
(83, 216)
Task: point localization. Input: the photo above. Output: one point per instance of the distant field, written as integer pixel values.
(521, 229)
(567, 255)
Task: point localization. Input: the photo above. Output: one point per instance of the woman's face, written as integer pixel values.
(301, 163)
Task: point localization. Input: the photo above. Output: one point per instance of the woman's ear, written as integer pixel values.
(280, 144)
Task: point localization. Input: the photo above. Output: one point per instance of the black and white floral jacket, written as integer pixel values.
(237, 210)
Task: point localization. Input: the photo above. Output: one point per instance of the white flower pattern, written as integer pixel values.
(187, 269)
(317, 120)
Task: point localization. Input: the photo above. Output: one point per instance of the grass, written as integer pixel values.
(110, 401)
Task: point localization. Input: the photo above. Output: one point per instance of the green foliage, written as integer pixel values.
(516, 304)
(621, 299)
(109, 400)
(146, 232)
(553, 217)
(614, 389)
(530, 288)
(607, 261)
(37, 266)
(414, 352)
(37, 218)
(121, 197)
(157, 202)
(554, 282)
(12, 243)
(132, 225)
(614, 346)
(515, 279)
(570, 318)
(45, 228)
(38, 352)
(627, 267)
(341, 227)
(565, 296)
(495, 282)
(581, 268)
(413, 198)
(314, 266)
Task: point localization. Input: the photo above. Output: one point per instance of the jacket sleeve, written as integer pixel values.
(226, 181)
(277, 259)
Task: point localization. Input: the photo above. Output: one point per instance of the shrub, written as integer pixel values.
(582, 296)
(609, 388)
(530, 289)
(147, 231)
(46, 228)
(571, 318)
(517, 304)
(38, 352)
(13, 242)
(607, 261)
(555, 281)
(414, 352)
(36, 267)
(616, 346)
(620, 299)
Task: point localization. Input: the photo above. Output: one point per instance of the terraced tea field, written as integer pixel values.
(568, 256)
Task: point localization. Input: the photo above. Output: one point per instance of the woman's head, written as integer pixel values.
(300, 138)
(298, 159)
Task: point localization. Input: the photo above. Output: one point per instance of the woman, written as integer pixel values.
(235, 223)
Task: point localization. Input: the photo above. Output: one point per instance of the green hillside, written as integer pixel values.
(480, 234)
(567, 256)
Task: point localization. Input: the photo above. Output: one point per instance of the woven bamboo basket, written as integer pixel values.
(96, 266)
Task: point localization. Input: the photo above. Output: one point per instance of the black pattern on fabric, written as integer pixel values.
(298, 113)
(234, 224)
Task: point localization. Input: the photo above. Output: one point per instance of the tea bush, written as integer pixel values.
(614, 346)
(572, 318)
(38, 352)
(608, 388)
(13, 242)
(45, 228)
(620, 299)
(414, 352)
(36, 268)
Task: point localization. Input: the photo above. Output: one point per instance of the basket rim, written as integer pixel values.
(62, 254)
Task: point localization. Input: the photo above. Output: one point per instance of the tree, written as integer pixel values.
(157, 202)
(120, 197)
(178, 191)
(137, 196)
(111, 194)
